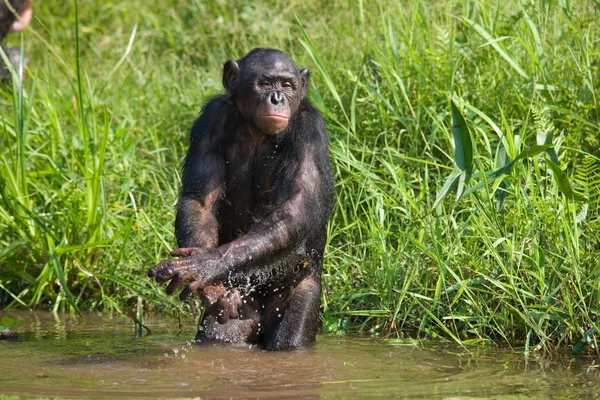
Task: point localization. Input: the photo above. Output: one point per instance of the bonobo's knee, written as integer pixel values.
(296, 325)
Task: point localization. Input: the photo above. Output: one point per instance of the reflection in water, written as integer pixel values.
(101, 357)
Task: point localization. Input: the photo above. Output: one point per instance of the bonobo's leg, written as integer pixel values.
(292, 320)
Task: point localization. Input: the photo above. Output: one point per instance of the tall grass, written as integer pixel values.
(91, 148)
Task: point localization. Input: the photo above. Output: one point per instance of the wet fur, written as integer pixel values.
(277, 191)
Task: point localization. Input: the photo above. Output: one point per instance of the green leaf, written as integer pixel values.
(462, 183)
(563, 182)
(60, 275)
(530, 152)
(505, 169)
(586, 181)
(463, 146)
(501, 160)
(495, 43)
(448, 186)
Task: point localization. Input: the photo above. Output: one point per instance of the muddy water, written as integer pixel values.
(62, 356)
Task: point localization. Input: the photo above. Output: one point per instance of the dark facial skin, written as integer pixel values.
(267, 94)
(257, 191)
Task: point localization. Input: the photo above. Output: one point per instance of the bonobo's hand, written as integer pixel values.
(197, 268)
(232, 304)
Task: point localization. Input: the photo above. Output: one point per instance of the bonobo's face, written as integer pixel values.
(267, 87)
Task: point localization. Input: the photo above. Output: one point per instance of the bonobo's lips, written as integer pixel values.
(272, 124)
(274, 116)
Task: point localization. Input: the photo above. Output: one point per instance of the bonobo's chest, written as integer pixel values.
(250, 193)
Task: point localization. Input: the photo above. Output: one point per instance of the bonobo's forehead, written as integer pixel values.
(270, 62)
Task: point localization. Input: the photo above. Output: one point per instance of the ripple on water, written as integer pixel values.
(101, 357)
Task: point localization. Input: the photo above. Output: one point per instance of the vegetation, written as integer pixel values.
(494, 240)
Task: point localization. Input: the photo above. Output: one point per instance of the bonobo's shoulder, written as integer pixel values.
(211, 122)
(310, 116)
(216, 106)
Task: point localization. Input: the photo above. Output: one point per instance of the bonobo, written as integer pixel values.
(7, 17)
(257, 191)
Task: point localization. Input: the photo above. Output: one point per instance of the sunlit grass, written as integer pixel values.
(90, 155)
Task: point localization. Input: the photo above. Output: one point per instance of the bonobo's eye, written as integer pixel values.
(287, 85)
(264, 84)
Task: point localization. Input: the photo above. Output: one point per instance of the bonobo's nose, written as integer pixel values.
(276, 98)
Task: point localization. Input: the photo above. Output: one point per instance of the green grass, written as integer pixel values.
(90, 151)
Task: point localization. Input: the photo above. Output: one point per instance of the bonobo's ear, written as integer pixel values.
(304, 75)
(230, 73)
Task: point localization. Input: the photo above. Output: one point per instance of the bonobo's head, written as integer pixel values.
(267, 87)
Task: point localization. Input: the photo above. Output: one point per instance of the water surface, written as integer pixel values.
(63, 356)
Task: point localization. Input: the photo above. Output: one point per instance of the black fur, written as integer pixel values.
(7, 16)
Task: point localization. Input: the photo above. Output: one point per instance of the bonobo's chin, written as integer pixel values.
(271, 124)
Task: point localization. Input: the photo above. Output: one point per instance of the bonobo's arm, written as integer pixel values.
(203, 177)
(202, 180)
(306, 208)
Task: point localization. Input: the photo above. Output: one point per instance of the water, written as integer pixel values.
(62, 356)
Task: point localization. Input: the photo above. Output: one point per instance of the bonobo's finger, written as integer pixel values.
(233, 314)
(178, 279)
(211, 293)
(224, 306)
(157, 268)
(223, 316)
(235, 301)
(183, 252)
(168, 273)
(164, 266)
(189, 290)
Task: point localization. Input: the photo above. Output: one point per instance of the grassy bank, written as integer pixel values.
(91, 147)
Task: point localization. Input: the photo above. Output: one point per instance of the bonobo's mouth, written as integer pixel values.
(271, 124)
(274, 116)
